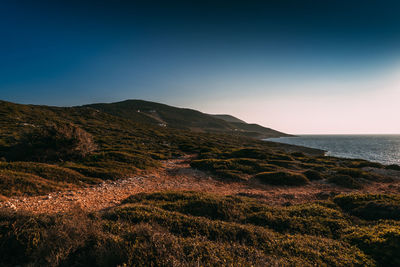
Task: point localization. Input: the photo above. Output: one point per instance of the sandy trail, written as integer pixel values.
(178, 176)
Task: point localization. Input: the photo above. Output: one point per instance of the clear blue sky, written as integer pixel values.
(297, 66)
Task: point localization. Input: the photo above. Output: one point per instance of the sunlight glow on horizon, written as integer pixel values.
(371, 106)
(313, 67)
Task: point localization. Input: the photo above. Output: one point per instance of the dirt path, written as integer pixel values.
(174, 175)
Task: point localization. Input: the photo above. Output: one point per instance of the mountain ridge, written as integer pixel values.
(227, 117)
(184, 118)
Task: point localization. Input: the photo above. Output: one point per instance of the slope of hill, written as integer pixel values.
(183, 118)
(228, 118)
(256, 130)
(52, 139)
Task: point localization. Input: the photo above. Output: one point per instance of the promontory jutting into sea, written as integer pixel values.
(384, 149)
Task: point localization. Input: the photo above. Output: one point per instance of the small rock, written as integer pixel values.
(11, 205)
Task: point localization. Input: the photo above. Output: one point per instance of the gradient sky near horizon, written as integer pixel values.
(301, 67)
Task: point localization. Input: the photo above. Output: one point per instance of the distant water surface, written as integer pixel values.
(378, 148)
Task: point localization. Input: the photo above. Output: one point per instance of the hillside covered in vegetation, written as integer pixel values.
(90, 145)
(344, 212)
(184, 118)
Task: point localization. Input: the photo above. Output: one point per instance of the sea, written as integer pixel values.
(384, 149)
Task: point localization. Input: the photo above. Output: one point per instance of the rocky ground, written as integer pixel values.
(177, 175)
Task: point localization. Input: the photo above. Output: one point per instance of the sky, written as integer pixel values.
(302, 67)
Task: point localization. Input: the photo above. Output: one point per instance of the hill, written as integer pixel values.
(91, 185)
(183, 118)
(228, 118)
(90, 145)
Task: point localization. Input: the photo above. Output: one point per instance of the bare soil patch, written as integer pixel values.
(177, 175)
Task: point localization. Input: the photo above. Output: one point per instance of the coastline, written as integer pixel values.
(381, 149)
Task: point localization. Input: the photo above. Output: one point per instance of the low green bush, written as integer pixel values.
(169, 196)
(393, 167)
(14, 183)
(298, 248)
(231, 169)
(305, 219)
(230, 175)
(282, 178)
(282, 163)
(103, 170)
(345, 181)
(53, 142)
(381, 242)
(357, 173)
(204, 164)
(49, 172)
(267, 168)
(138, 160)
(370, 206)
(364, 163)
(298, 154)
(251, 153)
(281, 156)
(191, 228)
(313, 175)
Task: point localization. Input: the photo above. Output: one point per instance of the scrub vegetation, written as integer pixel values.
(190, 228)
(48, 149)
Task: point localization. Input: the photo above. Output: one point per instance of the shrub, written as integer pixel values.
(49, 172)
(103, 170)
(344, 181)
(230, 175)
(298, 154)
(393, 167)
(44, 240)
(251, 153)
(138, 160)
(362, 164)
(14, 183)
(168, 196)
(267, 167)
(356, 173)
(311, 219)
(313, 175)
(381, 242)
(239, 164)
(282, 163)
(313, 166)
(204, 164)
(282, 178)
(216, 224)
(306, 219)
(53, 143)
(177, 229)
(282, 157)
(153, 246)
(234, 166)
(371, 206)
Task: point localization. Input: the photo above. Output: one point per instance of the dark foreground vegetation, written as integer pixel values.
(45, 149)
(191, 228)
